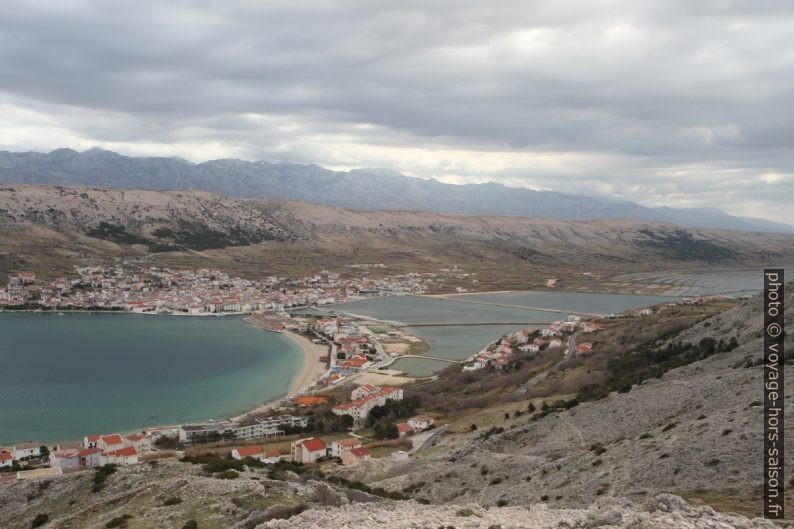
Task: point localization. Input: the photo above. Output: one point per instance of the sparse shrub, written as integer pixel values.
(40, 520)
(118, 521)
(670, 426)
(501, 503)
(173, 500)
(496, 481)
(597, 448)
(545, 497)
(227, 474)
(190, 524)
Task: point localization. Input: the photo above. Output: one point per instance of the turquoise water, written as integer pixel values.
(76, 374)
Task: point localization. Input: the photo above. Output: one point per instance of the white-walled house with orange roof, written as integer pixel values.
(122, 456)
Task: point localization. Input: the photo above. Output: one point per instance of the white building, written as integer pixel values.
(307, 450)
(6, 459)
(420, 422)
(360, 408)
(337, 447)
(23, 450)
(65, 459)
(122, 457)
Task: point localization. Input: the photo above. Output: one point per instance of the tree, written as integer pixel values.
(386, 431)
(45, 452)
(531, 408)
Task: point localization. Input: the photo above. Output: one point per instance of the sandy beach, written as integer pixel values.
(313, 368)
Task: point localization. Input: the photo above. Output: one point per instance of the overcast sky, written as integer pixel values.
(681, 103)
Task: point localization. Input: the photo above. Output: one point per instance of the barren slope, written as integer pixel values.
(48, 228)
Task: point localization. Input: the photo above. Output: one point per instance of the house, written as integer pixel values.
(65, 459)
(420, 422)
(556, 342)
(6, 459)
(355, 455)
(404, 429)
(337, 447)
(109, 443)
(307, 450)
(272, 456)
(141, 442)
(529, 348)
(122, 456)
(362, 391)
(254, 452)
(645, 312)
(360, 408)
(25, 450)
(584, 348)
(90, 457)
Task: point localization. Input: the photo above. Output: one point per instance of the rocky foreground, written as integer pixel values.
(665, 511)
(170, 494)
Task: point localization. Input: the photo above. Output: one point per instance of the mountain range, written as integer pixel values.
(365, 189)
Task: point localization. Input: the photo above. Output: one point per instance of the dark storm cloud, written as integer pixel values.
(673, 102)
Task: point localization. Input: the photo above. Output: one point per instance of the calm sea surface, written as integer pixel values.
(62, 377)
(461, 341)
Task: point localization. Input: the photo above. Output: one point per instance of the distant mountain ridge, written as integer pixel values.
(367, 189)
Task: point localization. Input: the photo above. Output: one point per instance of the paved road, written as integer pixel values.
(523, 388)
(429, 440)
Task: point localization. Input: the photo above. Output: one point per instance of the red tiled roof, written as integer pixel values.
(272, 453)
(5, 456)
(245, 451)
(404, 427)
(136, 437)
(314, 445)
(360, 451)
(114, 439)
(349, 442)
(123, 452)
(88, 451)
(93, 438)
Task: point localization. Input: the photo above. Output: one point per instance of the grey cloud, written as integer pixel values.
(697, 88)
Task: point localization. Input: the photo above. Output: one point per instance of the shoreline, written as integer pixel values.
(311, 371)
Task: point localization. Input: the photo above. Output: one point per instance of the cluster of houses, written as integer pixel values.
(350, 450)
(98, 450)
(19, 452)
(243, 430)
(416, 424)
(531, 341)
(309, 450)
(94, 451)
(364, 398)
(151, 290)
(354, 350)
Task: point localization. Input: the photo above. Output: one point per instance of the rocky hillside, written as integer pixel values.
(174, 495)
(694, 432)
(74, 224)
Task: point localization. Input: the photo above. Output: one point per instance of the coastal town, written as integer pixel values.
(332, 416)
(129, 287)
